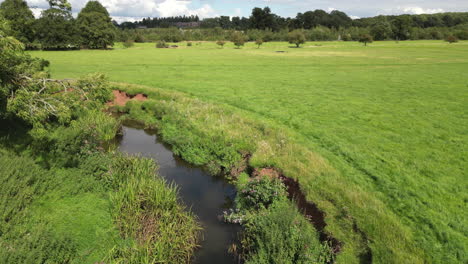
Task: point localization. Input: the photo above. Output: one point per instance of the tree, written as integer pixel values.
(263, 19)
(16, 67)
(365, 38)
(221, 43)
(339, 19)
(21, 19)
(381, 30)
(296, 37)
(451, 39)
(238, 39)
(259, 42)
(56, 28)
(95, 26)
(401, 27)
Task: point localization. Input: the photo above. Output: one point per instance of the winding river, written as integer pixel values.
(205, 195)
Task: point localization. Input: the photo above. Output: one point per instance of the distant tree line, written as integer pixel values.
(159, 22)
(56, 28)
(402, 27)
(316, 25)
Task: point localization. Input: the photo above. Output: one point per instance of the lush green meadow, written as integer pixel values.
(390, 119)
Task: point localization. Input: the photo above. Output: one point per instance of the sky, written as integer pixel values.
(131, 10)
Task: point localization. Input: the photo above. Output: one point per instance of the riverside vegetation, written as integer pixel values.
(67, 197)
(64, 197)
(374, 134)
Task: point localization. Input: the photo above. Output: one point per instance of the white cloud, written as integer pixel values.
(121, 19)
(153, 8)
(419, 10)
(37, 11)
(130, 10)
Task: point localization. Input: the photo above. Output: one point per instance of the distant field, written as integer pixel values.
(392, 118)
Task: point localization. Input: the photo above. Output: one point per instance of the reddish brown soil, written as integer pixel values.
(270, 172)
(121, 98)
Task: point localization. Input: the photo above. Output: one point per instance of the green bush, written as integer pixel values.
(259, 42)
(128, 43)
(297, 37)
(238, 38)
(221, 43)
(451, 39)
(162, 45)
(280, 234)
(366, 38)
(260, 193)
(139, 38)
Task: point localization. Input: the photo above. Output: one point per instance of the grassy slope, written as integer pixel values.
(391, 118)
(57, 215)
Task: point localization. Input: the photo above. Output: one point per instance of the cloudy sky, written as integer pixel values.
(123, 10)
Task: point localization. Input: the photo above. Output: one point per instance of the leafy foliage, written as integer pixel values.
(21, 19)
(15, 65)
(260, 193)
(162, 45)
(259, 42)
(95, 26)
(296, 37)
(128, 43)
(281, 234)
(238, 38)
(59, 212)
(221, 43)
(55, 29)
(366, 38)
(451, 39)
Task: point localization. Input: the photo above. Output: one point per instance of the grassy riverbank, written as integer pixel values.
(66, 198)
(375, 135)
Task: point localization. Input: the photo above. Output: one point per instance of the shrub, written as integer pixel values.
(238, 39)
(260, 193)
(462, 34)
(161, 45)
(258, 42)
(221, 43)
(296, 37)
(346, 37)
(189, 44)
(139, 38)
(128, 43)
(365, 38)
(451, 39)
(281, 234)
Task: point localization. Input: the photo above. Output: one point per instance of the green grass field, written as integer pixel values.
(390, 118)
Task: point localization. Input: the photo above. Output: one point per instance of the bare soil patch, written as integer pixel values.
(121, 98)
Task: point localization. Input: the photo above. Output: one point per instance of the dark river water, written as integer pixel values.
(205, 195)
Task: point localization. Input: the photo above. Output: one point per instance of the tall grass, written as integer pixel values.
(375, 135)
(197, 130)
(68, 200)
(148, 211)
